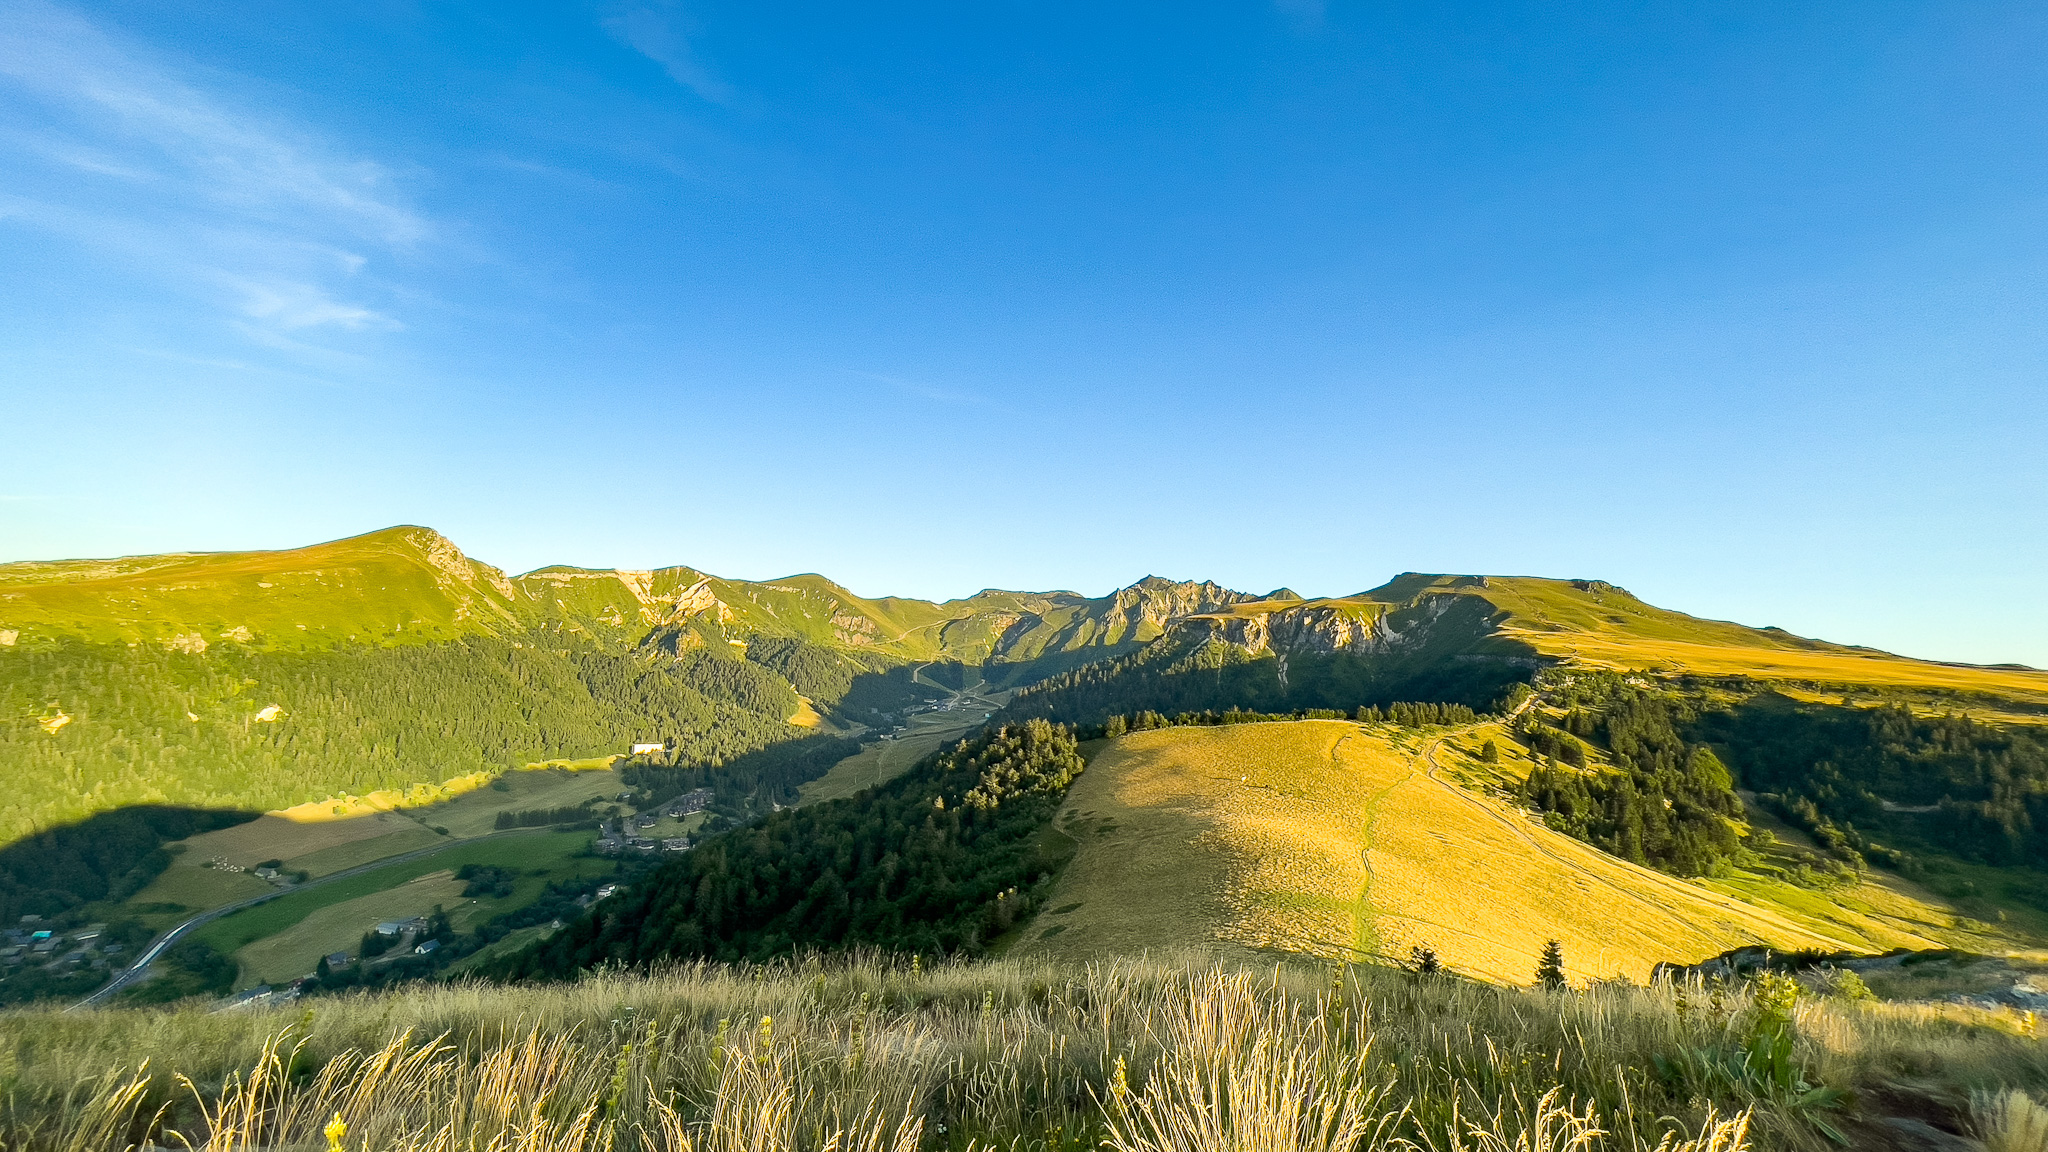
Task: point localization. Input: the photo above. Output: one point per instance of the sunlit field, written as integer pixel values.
(1345, 841)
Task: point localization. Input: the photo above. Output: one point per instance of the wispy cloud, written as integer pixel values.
(656, 31)
(295, 306)
(111, 145)
(935, 393)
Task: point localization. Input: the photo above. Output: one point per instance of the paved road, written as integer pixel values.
(136, 971)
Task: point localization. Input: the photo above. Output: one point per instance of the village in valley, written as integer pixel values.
(295, 903)
(636, 834)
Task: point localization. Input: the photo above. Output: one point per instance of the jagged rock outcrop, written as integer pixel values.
(1354, 626)
(1144, 609)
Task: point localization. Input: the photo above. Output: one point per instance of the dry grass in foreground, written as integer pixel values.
(859, 1056)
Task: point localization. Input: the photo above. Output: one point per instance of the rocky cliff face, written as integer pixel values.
(1144, 609)
(1357, 627)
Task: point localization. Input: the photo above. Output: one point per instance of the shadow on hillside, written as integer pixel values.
(106, 857)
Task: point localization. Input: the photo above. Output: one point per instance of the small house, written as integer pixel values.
(427, 947)
(647, 748)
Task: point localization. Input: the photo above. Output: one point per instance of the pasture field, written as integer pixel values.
(297, 950)
(274, 837)
(183, 889)
(884, 760)
(475, 813)
(924, 734)
(405, 836)
(321, 848)
(1333, 839)
(514, 940)
(520, 852)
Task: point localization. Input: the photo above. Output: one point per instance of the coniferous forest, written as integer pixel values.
(1889, 783)
(1671, 805)
(1170, 678)
(93, 727)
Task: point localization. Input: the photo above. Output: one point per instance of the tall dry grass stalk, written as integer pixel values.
(2010, 1121)
(1175, 1055)
(1249, 1072)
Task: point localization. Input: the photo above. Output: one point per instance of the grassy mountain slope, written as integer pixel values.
(1595, 624)
(401, 585)
(1334, 839)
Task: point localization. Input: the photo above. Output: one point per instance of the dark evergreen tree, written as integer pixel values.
(1550, 969)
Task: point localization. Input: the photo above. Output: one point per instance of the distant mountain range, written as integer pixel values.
(392, 659)
(411, 585)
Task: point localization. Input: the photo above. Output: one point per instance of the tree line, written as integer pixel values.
(1405, 714)
(1171, 678)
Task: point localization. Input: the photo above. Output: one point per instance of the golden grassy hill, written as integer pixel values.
(1594, 624)
(1333, 839)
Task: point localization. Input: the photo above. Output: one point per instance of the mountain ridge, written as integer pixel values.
(313, 597)
(411, 584)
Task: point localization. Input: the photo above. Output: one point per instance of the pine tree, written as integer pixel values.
(1489, 753)
(1550, 970)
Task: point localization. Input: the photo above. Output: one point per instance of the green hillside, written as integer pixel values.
(401, 585)
(257, 680)
(410, 585)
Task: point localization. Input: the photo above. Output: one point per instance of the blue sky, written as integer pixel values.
(1738, 306)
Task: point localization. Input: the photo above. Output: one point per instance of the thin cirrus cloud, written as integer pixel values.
(111, 148)
(656, 32)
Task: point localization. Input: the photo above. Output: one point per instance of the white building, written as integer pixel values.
(644, 749)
